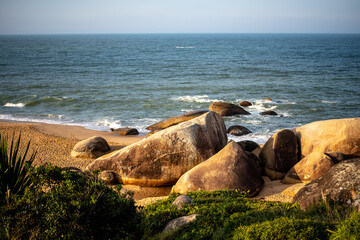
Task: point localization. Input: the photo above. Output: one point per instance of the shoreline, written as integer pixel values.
(54, 142)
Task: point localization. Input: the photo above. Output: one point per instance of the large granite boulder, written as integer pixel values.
(311, 167)
(339, 184)
(336, 135)
(228, 169)
(92, 147)
(279, 154)
(175, 120)
(162, 158)
(227, 109)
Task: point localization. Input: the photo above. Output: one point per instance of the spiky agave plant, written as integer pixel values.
(14, 177)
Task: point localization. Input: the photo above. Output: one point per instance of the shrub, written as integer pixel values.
(14, 169)
(284, 228)
(65, 204)
(349, 228)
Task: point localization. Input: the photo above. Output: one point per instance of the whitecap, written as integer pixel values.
(196, 98)
(18, 105)
(185, 47)
(328, 102)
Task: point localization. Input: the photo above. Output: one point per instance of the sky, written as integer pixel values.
(174, 16)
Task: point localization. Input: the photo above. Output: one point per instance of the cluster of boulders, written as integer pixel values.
(192, 153)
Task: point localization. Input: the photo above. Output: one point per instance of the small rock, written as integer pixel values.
(182, 200)
(248, 145)
(107, 177)
(93, 147)
(237, 130)
(178, 222)
(245, 104)
(268, 99)
(125, 131)
(268, 113)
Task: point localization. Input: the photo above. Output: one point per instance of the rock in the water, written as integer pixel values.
(248, 145)
(311, 167)
(337, 135)
(162, 158)
(338, 184)
(175, 120)
(268, 99)
(182, 200)
(125, 131)
(93, 147)
(269, 113)
(228, 169)
(245, 104)
(178, 222)
(279, 154)
(237, 130)
(227, 109)
(107, 177)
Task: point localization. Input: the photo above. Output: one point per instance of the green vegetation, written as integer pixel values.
(68, 205)
(55, 203)
(14, 177)
(230, 215)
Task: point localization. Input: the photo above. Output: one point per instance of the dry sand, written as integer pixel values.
(53, 144)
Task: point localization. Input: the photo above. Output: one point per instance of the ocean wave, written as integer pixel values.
(328, 102)
(47, 99)
(185, 47)
(259, 138)
(18, 105)
(197, 98)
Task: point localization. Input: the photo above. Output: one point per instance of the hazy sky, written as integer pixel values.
(174, 16)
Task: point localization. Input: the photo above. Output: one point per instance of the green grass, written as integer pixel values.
(231, 215)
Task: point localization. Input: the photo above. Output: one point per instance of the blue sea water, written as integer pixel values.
(103, 81)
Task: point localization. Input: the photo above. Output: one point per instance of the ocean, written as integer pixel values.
(134, 80)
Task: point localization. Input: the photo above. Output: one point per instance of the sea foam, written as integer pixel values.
(18, 105)
(196, 98)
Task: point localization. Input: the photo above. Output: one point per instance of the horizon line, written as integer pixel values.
(174, 33)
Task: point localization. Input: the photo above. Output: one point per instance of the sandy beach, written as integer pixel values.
(53, 144)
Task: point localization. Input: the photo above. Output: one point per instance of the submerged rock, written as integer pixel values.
(237, 130)
(245, 104)
(269, 113)
(228, 169)
(227, 109)
(162, 158)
